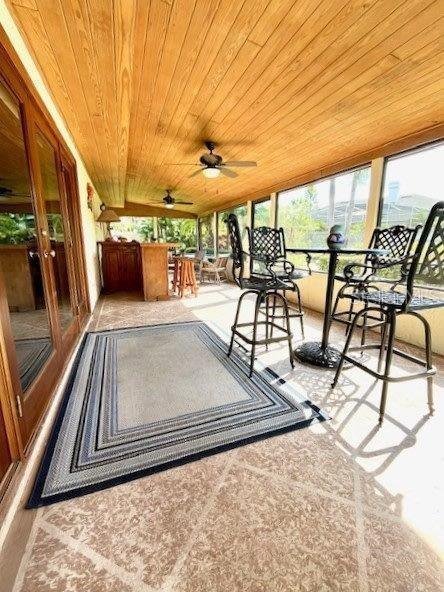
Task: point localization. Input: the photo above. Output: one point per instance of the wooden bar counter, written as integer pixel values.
(154, 258)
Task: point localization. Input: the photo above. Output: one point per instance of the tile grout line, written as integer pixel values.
(313, 489)
(292, 484)
(20, 576)
(96, 558)
(172, 578)
(361, 546)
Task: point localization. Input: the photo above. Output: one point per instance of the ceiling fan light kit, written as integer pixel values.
(211, 172)
(212, 165)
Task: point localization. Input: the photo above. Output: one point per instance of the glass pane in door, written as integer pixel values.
(19, 257)
(57, 231)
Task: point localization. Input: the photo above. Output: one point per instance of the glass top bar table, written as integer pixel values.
(320, 353)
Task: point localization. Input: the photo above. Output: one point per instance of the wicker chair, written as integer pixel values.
(217, 269)
(397, 242)
(268, 243)
(425, 266)
(263, 286)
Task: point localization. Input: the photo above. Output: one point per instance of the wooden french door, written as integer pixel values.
(43, 298)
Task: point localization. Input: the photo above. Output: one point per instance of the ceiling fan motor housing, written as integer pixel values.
(211, 160)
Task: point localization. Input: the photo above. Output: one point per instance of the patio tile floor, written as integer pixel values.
(339, 506)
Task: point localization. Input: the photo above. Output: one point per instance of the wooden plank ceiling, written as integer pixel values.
(296, 85)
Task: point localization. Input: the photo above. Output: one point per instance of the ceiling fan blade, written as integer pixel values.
(195, 173)
(228, 173)
(181, 164)
(185, 203)
(240, 163)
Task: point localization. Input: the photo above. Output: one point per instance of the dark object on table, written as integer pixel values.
(269, 244)
(320, 353)
(262, 287)
(397, 241)
(336, 238)
(425, 266)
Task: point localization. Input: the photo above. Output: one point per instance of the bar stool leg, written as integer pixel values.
(429, 360)
(388, 362)
(382, 349)
(301, 318)
(253, 345)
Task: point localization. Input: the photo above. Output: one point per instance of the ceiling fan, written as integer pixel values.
(169, 201)
(211, 164)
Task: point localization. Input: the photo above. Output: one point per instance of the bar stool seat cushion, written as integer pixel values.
(395, 299)
(261, 284)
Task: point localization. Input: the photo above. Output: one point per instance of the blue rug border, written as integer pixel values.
(35, 499)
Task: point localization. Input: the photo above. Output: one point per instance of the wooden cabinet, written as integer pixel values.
(121, 268)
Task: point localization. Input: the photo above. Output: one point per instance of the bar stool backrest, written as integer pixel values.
(237, 252)
(427, 267)
(396, 240)
(267, 242)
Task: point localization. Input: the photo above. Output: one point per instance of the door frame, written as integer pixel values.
(33, 111)
(72, 200)
(66, 340)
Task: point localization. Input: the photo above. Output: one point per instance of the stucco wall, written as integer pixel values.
(87, 216)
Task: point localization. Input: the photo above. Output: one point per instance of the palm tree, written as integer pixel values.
(358, 177)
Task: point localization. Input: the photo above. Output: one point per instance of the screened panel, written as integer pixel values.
(134, 228)
(178, 230)
(413, 183)
(262, 213)
(308, 212)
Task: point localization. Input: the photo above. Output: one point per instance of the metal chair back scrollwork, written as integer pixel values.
(267, 243)
(396, 241)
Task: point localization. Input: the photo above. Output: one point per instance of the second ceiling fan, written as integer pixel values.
(211, 164)
(169, 201)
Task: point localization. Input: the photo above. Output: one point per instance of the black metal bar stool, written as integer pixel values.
(263, 287)
(269, 244)
(396, 242)
(426, 267)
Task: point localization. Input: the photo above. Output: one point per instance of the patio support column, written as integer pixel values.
(155, 228)
(273, 209)
(376, 179)
(215, 233)
(249, 214)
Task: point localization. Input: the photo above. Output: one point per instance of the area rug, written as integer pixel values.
(145, 399)
(31, 355)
